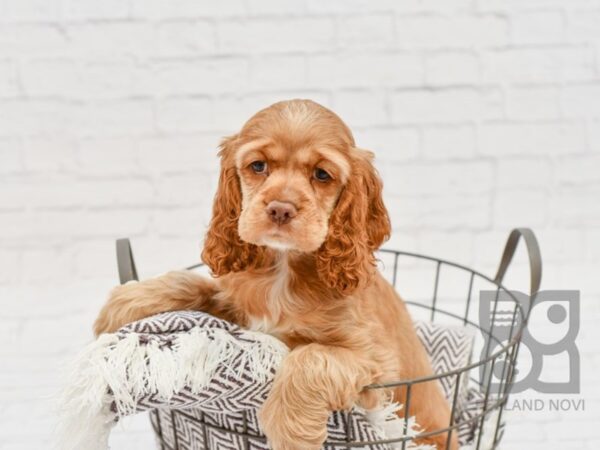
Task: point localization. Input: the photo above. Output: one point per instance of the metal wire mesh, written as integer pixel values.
(437, 308)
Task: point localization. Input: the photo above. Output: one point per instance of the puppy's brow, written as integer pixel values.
(306, 155)
(248, 147)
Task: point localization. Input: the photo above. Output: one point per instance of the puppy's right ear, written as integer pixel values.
(224, 251)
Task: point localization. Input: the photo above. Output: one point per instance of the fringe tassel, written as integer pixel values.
(123, 371)
(390, 425)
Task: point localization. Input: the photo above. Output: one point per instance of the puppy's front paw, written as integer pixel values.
(118, 309)
(293, 425)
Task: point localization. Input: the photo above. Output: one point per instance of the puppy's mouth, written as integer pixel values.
(278, 238)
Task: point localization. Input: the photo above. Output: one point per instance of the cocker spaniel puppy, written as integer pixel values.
(297, 216)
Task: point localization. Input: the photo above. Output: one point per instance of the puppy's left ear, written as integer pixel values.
(358, 226)
(377, 220)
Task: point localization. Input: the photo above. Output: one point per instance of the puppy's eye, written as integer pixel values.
(321, 175)
(259, 166)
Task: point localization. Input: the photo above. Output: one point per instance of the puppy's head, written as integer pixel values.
(292, 179)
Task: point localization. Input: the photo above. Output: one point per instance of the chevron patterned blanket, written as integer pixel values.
(204, 380)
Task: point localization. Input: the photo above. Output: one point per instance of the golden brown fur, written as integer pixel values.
(307, 277)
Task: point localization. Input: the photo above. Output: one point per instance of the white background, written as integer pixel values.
(484, 115)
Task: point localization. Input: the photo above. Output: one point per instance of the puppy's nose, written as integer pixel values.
(281, 212)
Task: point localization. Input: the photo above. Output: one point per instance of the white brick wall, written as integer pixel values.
(484, 114)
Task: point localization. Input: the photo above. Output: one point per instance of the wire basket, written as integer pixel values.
(492, 372)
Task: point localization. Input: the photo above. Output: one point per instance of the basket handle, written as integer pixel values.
(125, 262)
(535, 258)
(128, 272)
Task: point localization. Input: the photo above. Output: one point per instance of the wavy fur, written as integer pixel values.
(358, 226)
(224, 251)
(311, 281)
